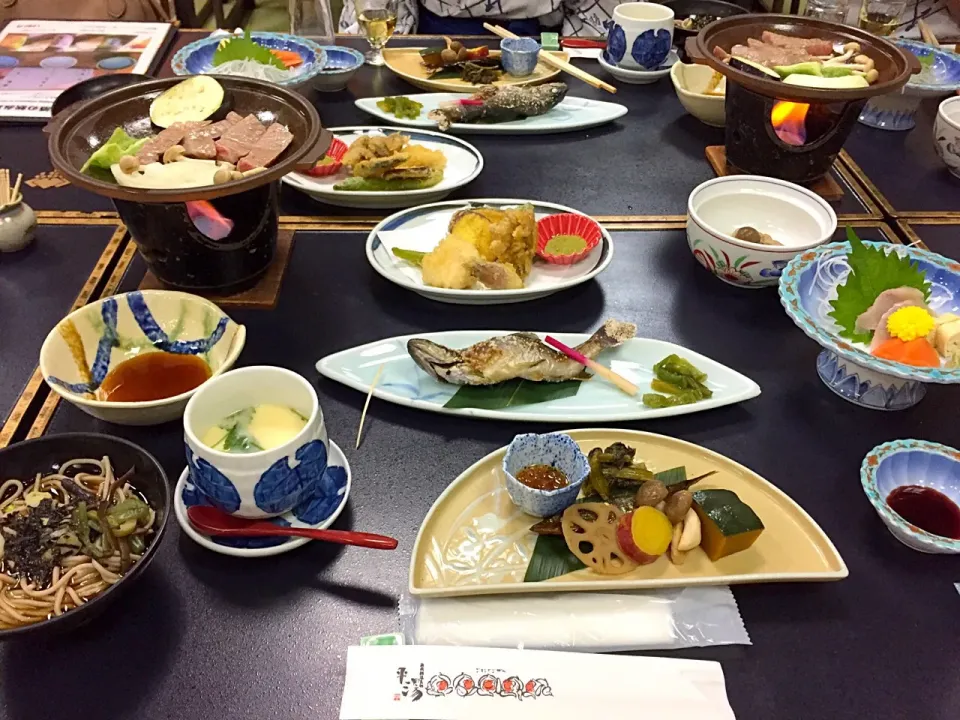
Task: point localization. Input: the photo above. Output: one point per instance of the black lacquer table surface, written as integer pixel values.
(206, 636)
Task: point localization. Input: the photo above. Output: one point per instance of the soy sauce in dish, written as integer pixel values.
(928, 509)
(543, 477)
(153, 376)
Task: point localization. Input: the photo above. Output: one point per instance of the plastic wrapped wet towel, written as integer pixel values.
(586, 622)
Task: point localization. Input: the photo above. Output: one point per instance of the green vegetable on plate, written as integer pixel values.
(360, 184)
(402, 107)
(118, 145)
(679, 382)
(413, 257)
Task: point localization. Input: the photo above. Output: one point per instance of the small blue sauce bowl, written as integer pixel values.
(556, 449)
(519, 56)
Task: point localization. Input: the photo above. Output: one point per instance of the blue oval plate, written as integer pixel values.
(941, 69)
(333, 493)
(197, 57)
(809, 283)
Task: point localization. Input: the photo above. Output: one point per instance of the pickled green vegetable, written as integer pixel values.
(402, 107)
(679, 381)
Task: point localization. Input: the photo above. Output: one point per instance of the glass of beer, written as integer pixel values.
(881, 17)
(378, 19)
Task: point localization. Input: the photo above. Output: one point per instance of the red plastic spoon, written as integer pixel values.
(211, 521)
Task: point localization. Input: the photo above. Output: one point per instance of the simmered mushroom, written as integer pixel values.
(448, 56)
(221, 176)
(129, 164)
(651, 493)
(173, 154)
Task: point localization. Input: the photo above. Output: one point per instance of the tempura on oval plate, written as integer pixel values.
(390, 163)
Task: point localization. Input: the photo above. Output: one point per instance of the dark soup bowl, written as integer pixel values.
(24, 460)
(215, 238)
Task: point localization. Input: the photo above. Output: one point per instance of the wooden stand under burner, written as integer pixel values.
(262, 296)
(826, 187)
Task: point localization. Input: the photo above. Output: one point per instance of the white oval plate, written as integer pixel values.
(464, 163)
(422, 228)
(572, 113)
(404, 383)
(335, 459)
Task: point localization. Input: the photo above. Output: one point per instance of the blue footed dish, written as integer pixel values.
(911, 462)
(651, 48)
(940, 74)
(318, 509)
(197, 57)
(809, 283)
(555, 449)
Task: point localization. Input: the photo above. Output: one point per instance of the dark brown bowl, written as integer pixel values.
(893, 65)
(26, 459)
(86, 127)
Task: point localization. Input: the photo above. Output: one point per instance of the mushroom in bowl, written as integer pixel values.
(137, 358)
(746, 228)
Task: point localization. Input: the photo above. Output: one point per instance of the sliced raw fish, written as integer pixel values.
(871, 318)
(881, 334)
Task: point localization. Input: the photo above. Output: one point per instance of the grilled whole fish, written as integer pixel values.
(500, 104)
(518, 355)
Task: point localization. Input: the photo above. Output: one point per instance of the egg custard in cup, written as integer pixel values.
(256, 442)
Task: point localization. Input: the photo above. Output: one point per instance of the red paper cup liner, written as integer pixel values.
(567, 224)
(337, 150)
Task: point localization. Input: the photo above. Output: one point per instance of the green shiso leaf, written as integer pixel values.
(244, 48)
(871, 272)
(672, 476)
(551, 558)
(511, 393)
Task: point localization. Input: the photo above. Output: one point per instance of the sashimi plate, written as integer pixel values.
(422, 228)
(475, 541)
(572, 113)
(464, 163)
(404, 383)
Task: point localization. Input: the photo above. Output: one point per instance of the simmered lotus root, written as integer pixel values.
(590, 530)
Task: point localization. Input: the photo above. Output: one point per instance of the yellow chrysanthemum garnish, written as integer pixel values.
(910, 323)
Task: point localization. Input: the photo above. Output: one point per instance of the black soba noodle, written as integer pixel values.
(66, 537)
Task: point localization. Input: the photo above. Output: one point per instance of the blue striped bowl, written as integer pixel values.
(197, 57)
(79, 352)
(342, 64)
(911, 462)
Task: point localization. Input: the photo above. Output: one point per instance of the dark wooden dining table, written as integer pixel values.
(205, 636)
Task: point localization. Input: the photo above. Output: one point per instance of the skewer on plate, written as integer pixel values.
(557, 62)
(606, 373)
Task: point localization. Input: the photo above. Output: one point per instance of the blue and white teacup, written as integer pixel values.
(519, 56)
(640, 37)
(259, 484)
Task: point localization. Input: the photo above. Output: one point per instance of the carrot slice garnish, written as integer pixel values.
(917, 352)
(288, 57)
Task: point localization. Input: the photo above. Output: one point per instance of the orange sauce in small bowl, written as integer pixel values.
(153, 376)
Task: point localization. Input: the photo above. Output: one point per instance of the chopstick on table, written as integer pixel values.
(606, 373)
(556, 62)
(927, 34)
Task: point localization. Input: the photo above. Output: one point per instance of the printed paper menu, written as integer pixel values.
(39, 59)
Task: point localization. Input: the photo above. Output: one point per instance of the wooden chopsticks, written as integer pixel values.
(927, 34)
(556, 62)
(9, 196)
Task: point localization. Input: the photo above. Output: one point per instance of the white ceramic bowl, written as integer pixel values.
(946, 133)
(77, 354)
(640, 77)
(790, 214)
(690, 81)
(258, 484)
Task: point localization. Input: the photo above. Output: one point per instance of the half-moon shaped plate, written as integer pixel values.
(475, 541)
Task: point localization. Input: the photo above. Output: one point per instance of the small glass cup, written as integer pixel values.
(828, 10)
(881, 17)
(378, 20)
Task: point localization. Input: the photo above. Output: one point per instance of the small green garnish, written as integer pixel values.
(680, 382)
(871, 272)
(245, 48)
(413, 257)
(402, 107)
(565, 245)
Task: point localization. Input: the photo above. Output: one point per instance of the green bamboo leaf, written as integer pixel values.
(512, 393)
(672, 476)
(551, 558)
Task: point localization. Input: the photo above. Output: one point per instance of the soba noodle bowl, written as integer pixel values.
(67, 536)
